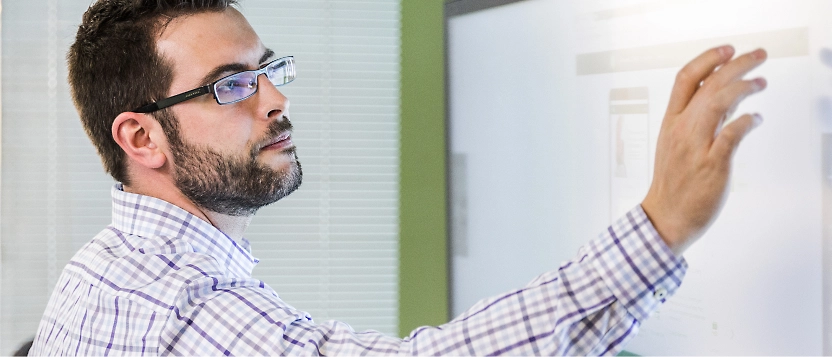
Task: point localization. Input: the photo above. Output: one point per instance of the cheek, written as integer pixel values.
(224, 133)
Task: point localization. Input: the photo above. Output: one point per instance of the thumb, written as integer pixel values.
(730, 136)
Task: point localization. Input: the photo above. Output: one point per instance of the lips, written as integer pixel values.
(280, 142)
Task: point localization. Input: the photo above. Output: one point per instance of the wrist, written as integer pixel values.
(672, 234)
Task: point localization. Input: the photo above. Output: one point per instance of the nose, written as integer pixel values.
(272, 103)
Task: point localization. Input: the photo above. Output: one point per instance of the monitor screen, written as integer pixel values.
(554, 113)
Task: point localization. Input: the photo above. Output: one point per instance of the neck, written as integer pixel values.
(232, 226)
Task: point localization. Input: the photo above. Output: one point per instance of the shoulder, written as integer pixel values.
(236, 316)
(243, 295)
(156, 270)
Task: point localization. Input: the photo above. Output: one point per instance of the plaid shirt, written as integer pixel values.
(161, 281)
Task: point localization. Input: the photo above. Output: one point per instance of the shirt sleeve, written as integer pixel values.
(591, 305)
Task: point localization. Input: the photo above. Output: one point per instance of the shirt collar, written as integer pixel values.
(152, 218)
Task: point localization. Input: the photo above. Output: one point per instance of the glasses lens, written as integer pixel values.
(282, 71)
(235, 87)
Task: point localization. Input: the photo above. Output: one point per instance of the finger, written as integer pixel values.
(725, 101)
(689, 77)
(735, 69)
(729, 138)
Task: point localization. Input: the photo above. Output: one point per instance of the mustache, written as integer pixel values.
(276, 128)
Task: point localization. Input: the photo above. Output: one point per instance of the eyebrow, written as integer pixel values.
(267, 54)
(219, 71)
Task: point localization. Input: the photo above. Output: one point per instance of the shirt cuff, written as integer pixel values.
(636, 264)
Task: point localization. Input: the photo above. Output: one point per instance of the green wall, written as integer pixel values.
(423, 273)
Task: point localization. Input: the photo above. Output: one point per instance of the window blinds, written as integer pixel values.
(330, 248)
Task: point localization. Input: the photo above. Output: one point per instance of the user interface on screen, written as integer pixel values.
(555, 109)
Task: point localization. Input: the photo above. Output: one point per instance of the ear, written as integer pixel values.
(138, 135)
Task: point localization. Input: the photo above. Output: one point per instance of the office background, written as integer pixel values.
(362, 241)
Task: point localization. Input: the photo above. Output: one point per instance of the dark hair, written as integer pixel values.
(114, 67)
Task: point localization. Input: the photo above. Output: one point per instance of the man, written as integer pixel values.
(180, 98)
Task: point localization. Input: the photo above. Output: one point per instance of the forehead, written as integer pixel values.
(196, 44)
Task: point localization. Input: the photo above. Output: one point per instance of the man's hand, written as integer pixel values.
(693, 155)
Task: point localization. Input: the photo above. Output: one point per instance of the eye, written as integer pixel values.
(236, 84)
(236, 87)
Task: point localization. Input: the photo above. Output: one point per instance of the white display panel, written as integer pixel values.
(555, 109)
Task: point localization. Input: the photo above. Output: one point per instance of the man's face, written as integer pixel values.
(234, 158)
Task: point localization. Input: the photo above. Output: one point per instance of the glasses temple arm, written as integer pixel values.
(179, 98)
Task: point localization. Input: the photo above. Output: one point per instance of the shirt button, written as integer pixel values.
(660, 293)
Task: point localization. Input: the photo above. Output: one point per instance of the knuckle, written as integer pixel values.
(731, 135)
(748, 58)
(706, 165)
(714, 162)
(684, 75)
(740, 89)
(721, 166)
(750, 87)
(735, 96)
(716, 106)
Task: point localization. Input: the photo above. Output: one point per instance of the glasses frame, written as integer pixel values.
(211, 88)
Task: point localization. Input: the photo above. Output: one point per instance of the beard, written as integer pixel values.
(233, 185)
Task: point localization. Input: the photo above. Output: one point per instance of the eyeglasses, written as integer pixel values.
(232, 88)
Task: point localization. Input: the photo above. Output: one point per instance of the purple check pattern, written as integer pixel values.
(160, 281)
